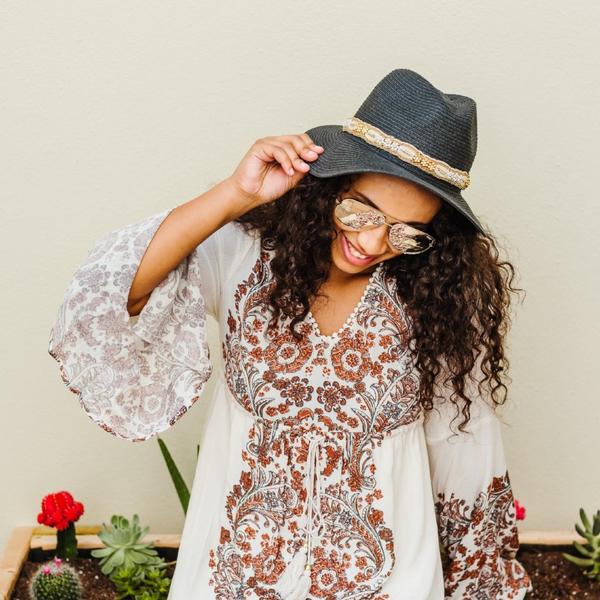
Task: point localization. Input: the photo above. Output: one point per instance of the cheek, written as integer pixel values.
(336, 234)
(336, 241)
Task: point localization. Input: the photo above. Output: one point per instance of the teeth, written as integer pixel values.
(354, 252)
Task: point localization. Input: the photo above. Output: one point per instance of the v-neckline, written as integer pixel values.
(332, 336)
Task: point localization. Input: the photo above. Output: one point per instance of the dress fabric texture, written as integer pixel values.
(315, 449)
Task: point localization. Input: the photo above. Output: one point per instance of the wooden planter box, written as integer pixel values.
(24, 539)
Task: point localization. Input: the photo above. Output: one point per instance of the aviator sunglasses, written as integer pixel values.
(403, 238)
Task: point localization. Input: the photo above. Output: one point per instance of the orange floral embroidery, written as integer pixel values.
(333, 389)
(481, 543)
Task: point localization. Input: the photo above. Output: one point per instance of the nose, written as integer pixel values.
(373, 241)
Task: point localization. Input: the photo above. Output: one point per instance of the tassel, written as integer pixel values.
(294, 583)
(302, 589)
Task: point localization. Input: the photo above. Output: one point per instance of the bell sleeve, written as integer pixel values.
(474, 503)
(136, 376)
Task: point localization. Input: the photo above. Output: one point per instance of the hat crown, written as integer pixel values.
(407, 106)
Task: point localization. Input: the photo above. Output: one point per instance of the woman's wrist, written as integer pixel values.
(234, 200)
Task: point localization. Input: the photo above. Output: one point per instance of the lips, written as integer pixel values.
(353, 259)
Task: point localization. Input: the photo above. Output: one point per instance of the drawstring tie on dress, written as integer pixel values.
(295, 581)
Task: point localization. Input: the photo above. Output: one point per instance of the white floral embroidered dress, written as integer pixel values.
(316, 450)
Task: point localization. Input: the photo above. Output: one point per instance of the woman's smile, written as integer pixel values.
(352, 255)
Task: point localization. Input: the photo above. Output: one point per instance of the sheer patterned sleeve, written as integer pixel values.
(474, 503)
(136, 376)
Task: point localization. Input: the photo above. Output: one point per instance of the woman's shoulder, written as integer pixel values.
(233, 238)
(236, 231)
(231, 247)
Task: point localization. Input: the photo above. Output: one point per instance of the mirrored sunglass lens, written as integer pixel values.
(409, 240)
(353, 213)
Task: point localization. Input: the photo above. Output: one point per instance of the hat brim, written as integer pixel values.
(345, 153)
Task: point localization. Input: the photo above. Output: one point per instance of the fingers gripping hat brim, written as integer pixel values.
(345, 153)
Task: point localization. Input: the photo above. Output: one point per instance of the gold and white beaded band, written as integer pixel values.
(406, 152)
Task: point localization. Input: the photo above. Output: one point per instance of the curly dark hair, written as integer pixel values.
(457, 295)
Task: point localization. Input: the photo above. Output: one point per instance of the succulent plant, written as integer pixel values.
(55, 580)
(590, 551)
(141, 584)
(123, 547)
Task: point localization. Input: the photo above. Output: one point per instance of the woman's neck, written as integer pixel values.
(339, 278)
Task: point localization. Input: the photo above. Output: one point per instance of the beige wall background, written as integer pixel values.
(112, 111)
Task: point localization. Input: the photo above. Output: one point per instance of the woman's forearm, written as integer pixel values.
(184, 228)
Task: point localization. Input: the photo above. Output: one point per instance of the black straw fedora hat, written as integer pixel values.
(408, 128)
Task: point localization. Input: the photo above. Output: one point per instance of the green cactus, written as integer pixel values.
(591, 550)
(123, 546)
(55, 580)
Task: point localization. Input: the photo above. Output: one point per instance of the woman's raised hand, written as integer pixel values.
(272, 166)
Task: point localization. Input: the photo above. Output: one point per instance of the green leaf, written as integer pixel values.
(581, 562)
(582, 549)
(585, 520)
(579, 530)
(139, 558)
(116, 559)
(596, 527)
(180, 486)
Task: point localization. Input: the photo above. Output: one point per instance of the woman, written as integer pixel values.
(362, 308)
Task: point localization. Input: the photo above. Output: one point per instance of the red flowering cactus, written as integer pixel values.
(60, 510)
(520, 511)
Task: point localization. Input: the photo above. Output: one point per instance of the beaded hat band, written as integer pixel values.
(406, 152)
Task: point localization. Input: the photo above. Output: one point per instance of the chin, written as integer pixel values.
(342, 265)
